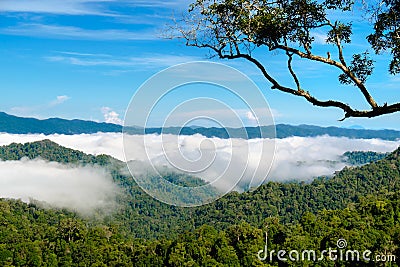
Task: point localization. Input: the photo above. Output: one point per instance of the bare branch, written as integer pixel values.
(337, 64)
(289, 65)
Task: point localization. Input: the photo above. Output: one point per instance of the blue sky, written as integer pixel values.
(86, 58)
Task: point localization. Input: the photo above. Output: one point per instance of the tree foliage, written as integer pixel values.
(31, 236)
(236, 29)
(386, 35)
(362, 157)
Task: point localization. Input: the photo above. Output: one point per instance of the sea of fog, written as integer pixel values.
(90, 187)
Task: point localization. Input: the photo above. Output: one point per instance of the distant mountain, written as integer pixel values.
(282, 131)
(311, 131)
(18, 125)
(358, 127)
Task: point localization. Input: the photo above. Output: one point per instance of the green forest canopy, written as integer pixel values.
(359, 204)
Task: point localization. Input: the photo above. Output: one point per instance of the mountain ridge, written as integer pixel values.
(20, 125)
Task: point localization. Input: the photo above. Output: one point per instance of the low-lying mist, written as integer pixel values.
(85, 188)
(82, 189)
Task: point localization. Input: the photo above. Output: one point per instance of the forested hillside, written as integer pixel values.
(50, 151)
(360, 204)
(145, 217)
(31, 236)
(363, 157)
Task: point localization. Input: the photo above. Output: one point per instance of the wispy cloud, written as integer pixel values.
(66, 7)
(82, 54)
(83, 7)
(72, 32)
(91, 60)
(320, 38)
(29, 110)
(160, 3)
(100, 61)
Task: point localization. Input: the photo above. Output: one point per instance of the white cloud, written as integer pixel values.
(110, 116)
(250, 116)
(82, 189)
(59, 100)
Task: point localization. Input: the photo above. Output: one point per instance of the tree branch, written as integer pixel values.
(276, 85)
(332, 62)
(289, 65)
(349, 112)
